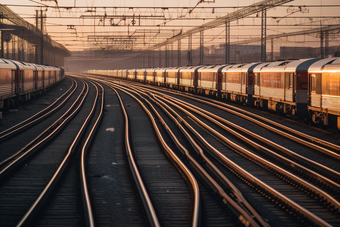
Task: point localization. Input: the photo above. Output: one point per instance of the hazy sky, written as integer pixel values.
(58, 30)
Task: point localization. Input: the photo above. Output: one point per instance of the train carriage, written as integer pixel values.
(21, 80)
(38, 77)
(324, 92)
(188, 78)
(47, 75)
(269, 84)
(209, 79)
(121, 73)
(282, 86)
(172, 77)
(140, 75)
(24, 77)
(7, 79)
(237, 82)
(160, 76)
(131, 74)
(150, 76)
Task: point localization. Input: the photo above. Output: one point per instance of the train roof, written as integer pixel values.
(278, 66)
(7, 64)
(331, 64)
(22, 65)
(37, 67)
(47, 67)
(173, 69)
(190, 68)
(240, 67)
(160, 69)
(150, 69)
(211, 68)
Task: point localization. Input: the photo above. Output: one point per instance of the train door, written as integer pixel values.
(35, 79)
(289, 86)
(13, 82)
(21, 81)
(43, 78)
(257, 86)
(315, 90)
(49, 77)
(243, 83)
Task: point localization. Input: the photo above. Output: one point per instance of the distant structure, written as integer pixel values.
(241, 53)
(23, 41)
(305, 52)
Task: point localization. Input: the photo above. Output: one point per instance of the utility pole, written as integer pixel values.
(179, 45)
(166, 56)
(201, 48)
(326, 43)
(227, 42)
(2, 45)
(263, 35)
(190, 50)
(272, 49)
(322, 53)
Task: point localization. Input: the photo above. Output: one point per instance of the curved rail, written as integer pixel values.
(144, 194)
(43, 137)
(245, 218)
(6, 134)
(250, 177)
(217, 120)
(243, 114)
(61, 169)
(86, 196)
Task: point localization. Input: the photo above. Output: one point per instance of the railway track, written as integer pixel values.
(144, 156)
(38, 117)
(312, 176)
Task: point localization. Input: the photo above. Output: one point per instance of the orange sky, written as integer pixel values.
(76, 39)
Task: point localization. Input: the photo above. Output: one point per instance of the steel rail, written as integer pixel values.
(152, 216)
(61, 169)
(244, 217)
(243, 113)
(312, 164)
(269, 164)
(199, 150)
(220, 175)
(43, 137)
(176, 159)
(38, 116)
(85, 193)
(291, 203)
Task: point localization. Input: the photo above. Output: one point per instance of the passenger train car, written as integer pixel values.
(19, 81)
(306, 88)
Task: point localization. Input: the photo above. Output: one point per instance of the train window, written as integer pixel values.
(186, 75)
(331, 83)
(207, 76)
(315, 81)
(243, 78)
(257, 79)
(283, 63)
(289, 78)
